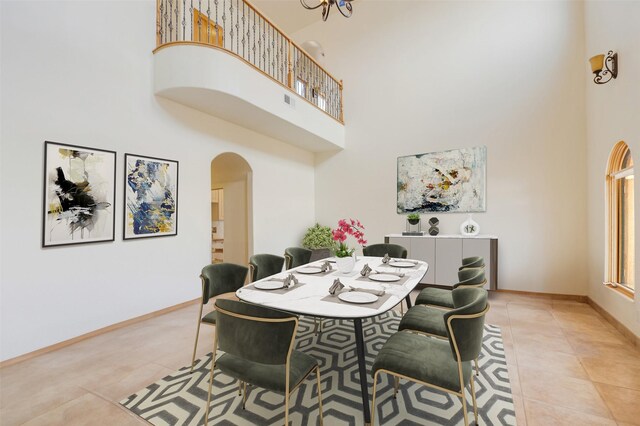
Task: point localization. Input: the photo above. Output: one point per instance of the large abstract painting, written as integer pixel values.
(151, 197)
(447, 181)
(79, 195)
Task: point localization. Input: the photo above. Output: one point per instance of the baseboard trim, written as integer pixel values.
(553, 296)
(112, 327)
(630, 335)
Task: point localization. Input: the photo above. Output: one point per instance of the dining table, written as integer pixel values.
(379, 290)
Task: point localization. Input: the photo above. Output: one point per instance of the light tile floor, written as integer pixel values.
(567, 366)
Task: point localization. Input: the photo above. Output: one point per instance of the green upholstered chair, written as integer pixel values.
(217, 279)
(265, 265)
(379, 250)
(469, 277)
(296, 256)
(472, 262)
(393, 250)
(430, 321)
(257, 345)
(438, 363)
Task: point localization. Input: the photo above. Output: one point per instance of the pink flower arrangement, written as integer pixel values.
(344, 229)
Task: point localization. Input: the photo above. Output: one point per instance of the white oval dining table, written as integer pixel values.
(307, 297)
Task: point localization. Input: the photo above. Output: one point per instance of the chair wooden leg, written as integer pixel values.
(475, 404)
(464, 409)
(213, 366)
(239, 387)
(401, 309)
(244, 394)
(319, 396)
(286, 409)
(195, 345)
(477, 369)
(373, 403)
(396, 386)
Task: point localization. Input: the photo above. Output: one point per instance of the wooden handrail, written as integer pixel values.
(165, 22)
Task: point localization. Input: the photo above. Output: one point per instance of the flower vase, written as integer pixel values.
(345, 264)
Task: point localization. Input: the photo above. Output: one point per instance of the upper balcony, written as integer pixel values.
(225, 58)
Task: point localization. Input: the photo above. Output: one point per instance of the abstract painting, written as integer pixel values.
(151, 197)
(79, 195)
(448, 181)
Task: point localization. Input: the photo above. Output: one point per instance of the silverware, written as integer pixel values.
(415, 262)
(399, 274)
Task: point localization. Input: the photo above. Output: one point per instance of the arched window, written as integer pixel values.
(621, 247)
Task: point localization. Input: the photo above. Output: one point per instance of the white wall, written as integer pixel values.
(613, 114)
(430, 76)
(83, 75)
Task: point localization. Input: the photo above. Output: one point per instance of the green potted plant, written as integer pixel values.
(413, 218)
(319, 239)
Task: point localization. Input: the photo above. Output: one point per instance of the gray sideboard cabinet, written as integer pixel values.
(444, 255)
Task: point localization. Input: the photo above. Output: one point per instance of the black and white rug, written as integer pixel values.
(180, 398)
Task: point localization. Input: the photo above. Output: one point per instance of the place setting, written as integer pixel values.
(387, 277)
(325, 268)
(277, 285)
(399, 263)
(373, 297)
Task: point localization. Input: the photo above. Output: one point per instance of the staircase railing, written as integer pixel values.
(238, 27)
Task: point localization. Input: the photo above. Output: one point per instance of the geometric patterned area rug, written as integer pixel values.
(180, 398)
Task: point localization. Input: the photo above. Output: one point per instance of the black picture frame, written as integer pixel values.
(79, 195)
(143, 215)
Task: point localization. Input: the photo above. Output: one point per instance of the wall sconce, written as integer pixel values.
(599, 62)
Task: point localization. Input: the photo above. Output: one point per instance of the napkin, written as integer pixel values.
(363, 290)
(326, 266)
(336, 287)
(290, 281)
(366, 270)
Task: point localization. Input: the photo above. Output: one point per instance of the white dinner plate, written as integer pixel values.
(309, 270)
(385, 278)
(357, 297)
(401, 264)
(269, 285)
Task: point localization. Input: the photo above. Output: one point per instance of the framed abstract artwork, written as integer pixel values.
(150, 197)
(449, 181)
(79, 195)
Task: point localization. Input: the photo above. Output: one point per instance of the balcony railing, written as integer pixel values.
(239, 28)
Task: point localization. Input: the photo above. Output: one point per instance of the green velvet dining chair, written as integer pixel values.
(431, 321)
(472, 262)
(217, 279)
(441, 297)
(257, 344)
(264, 265)
(438, 363)
(382, 249)
(379, 250)
(296, 256)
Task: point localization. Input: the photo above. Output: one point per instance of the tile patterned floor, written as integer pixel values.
(559, 354)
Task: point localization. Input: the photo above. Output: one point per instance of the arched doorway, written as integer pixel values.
(231, 209)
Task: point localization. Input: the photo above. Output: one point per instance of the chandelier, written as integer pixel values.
(344, 6)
